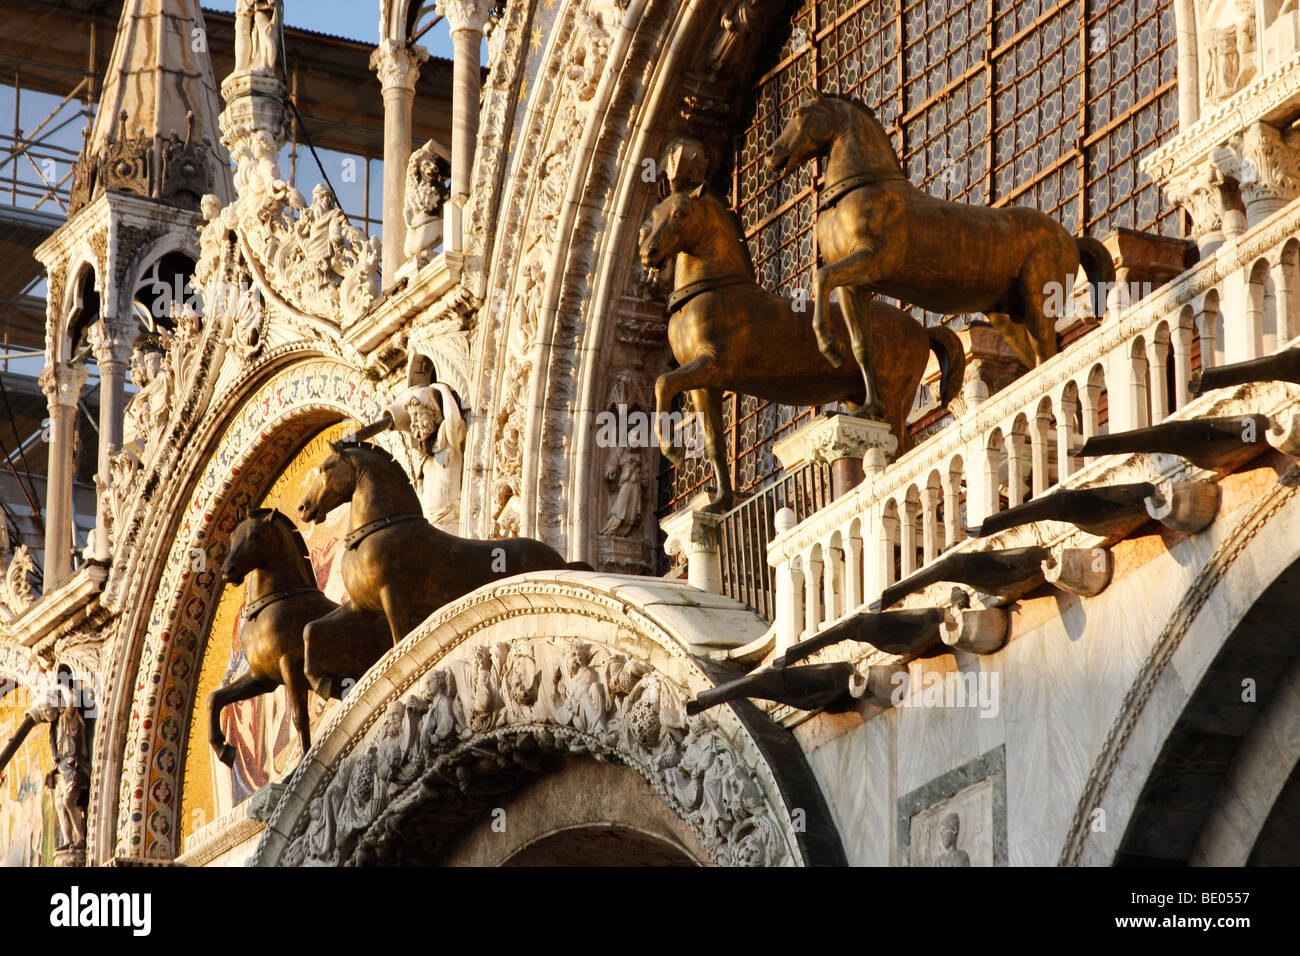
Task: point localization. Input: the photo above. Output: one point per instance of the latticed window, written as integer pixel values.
(997, 102)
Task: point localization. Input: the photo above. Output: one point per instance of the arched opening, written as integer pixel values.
(1224, 788)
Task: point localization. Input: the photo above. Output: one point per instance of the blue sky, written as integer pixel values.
(355, 19)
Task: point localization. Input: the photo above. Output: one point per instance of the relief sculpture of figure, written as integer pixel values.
(949, 829)
(431, 418)
(623, 475)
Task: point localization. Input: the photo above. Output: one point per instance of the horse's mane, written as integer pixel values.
(870, 114)
(382, 453)
(278, 516)
(738, 230)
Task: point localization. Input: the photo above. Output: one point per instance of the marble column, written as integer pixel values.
(62, 385)
(466, 19)
(398, 67)
(112, 347)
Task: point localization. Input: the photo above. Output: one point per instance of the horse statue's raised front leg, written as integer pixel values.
(244, 688)
(667, 387)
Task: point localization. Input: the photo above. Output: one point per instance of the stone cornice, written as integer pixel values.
(1258, 101)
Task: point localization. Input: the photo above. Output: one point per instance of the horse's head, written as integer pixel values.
(807, 133)
(329, 484)
(675, 225)
(256, 543)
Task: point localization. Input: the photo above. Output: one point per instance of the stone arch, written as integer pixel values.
(1255, 552)
(499, 685)
(250, 436)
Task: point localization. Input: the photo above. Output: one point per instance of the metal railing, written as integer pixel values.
(746, 530)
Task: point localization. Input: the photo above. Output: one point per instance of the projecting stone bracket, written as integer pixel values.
(882, 684)
(1083, 571)
(976, 630)
(1187, 506)
(1284, 434)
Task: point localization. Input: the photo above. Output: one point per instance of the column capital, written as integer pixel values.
(62, 383)
(397, 64)
(462, 15)
(834, 437)
(1269, 167)
(112, 346)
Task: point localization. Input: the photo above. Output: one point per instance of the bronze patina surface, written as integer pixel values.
(395, 562)
(728, 333)
(880, 235)
(281, 640)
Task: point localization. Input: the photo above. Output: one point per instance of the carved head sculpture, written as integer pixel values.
(265, 536)
(210, 206)
(146, 361)
(949, 827)
(807, 133)
(675, 225)
(425, 412)
(329, 484)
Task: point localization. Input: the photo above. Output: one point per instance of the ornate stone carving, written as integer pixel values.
(257, 36)
(427, 190)
(627, 484)
(310, 255)
(474, 727)
(464, 14)
(1268, 170)
(735, 46)
(18, 586)
(430, 419)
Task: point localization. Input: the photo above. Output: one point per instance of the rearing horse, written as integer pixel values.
(282, 601)
(879, 234)
(729, 333)
(395, 562)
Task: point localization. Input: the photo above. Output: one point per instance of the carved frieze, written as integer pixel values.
(473, 728)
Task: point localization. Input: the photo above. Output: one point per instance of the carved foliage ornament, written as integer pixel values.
(472, 728)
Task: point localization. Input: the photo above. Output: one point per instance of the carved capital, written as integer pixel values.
(1200, 191)
(834, 438)
(1269, 167)
(62, 383)
(464, 15)
(112, 346)
(397, 64)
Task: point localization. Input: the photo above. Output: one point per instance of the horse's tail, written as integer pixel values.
(947, 348)
(1099, 268)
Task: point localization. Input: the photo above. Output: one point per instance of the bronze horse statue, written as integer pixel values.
(395, 562)
(879, 234)
(729, 333)
(281, 640)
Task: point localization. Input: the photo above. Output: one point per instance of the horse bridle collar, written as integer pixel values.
(357, 535)
(266, 600)
(680, 297)
(832, 194)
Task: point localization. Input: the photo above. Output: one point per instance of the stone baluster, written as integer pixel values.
(853, 595)
(1066, 408)
(812, 604)
(1183, 336)
(953, 531)
(1157, 359)
(1040, 451)
(931, 529)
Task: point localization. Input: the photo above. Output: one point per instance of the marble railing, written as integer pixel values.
(1133, 370)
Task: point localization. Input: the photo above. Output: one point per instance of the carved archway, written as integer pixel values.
(515, 680)
(1164, 700)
